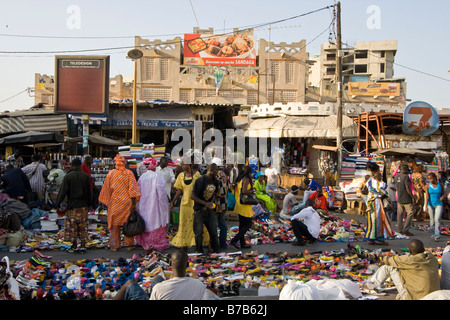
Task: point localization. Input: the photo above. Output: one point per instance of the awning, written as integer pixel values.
(325, 148)
(93, 119)
(427, 156)
(98, 140)
(324, 127)
(32, 137)
(162, 117)
(55, 122)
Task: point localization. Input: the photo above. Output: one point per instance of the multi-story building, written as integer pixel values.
(367, 74)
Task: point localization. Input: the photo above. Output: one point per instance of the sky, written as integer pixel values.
(31, 32)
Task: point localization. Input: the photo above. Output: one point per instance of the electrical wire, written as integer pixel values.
(250, 27)
(14, 96)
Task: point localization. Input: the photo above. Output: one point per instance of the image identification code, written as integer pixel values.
(232, 309)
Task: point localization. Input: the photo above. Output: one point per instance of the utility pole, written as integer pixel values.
(339, 89)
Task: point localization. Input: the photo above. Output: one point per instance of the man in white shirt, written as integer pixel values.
(273, 178)
(306, 225)
(445, 268)
(166, 173)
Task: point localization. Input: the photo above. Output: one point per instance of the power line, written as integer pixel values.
(168, 42)
(14, 96)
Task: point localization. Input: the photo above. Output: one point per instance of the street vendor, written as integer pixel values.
(318, 200)
(260, 191)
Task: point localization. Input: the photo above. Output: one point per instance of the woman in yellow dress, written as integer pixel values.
(184, 184)
(245, 211)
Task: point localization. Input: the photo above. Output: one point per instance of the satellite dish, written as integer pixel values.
(135, 54)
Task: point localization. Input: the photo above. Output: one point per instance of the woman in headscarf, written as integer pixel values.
(119, 193)
(260, 191)
(153, 208)
(184, 184)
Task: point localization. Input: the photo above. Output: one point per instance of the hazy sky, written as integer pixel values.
(421, 28)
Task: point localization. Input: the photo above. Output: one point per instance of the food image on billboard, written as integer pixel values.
(220, 50)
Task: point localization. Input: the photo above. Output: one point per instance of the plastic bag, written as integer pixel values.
(12, 291)
(134, 226)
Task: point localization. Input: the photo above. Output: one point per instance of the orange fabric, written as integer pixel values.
(118, 189)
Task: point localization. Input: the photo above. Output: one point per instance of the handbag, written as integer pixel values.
(134, 226)
(248, 199)
(387, 203)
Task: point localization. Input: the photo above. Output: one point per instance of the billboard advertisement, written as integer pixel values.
(220, 50)
(82, 84)
(382, 89)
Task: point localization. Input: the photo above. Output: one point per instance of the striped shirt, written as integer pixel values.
(37, 182)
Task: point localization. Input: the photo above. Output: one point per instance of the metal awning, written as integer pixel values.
(54, 122)
(324, 127)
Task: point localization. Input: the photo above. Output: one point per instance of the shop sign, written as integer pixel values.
(420, 119)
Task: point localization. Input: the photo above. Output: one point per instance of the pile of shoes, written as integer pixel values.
(227, 274)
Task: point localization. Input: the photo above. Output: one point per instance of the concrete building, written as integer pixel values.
(278, 77)
(369, 65)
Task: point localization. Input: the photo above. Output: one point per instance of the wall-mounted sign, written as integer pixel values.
(220, 50)
(82, 84)
(420, 119)
(382, 89)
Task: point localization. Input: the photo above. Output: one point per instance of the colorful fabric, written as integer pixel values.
(119, 188)
(114, 238)
(185, 236)
(378, 224)
(153, 207)
(261, 194)
(244, 210)
(76, 224)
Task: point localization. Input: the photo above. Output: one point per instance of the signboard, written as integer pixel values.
(382, 89)
(420, 119)
(220, 50)
(82, 84)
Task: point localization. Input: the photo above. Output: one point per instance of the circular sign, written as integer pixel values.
(420, 119)
(135, 54)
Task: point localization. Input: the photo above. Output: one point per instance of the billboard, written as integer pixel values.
(382, 89)
(220, 50)
(82, 84)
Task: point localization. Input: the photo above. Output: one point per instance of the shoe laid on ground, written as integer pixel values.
(234, 244)
(297, 243)
(41, 256)
(408, 233)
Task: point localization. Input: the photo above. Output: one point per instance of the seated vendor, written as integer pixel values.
(261, 193)
(291, 205)
(319, 201)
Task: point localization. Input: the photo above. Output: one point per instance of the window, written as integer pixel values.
(164, 68)
(252, 97)
(381, 67)
(331, 56)
(283, 96)
(149, 68)
(361, 54)
(289, 71)
(331, 71)
(185, 95)
(149, 93)
(361, 68)
(275, 70)
(382, 54)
